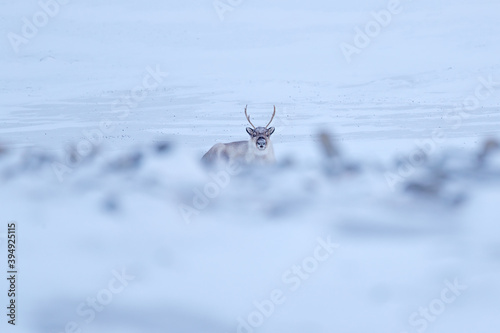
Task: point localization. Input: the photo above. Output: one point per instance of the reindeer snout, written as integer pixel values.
(261, 143)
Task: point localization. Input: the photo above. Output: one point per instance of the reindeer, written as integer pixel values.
(257, 150)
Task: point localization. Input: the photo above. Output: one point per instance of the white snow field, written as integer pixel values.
(387, 221)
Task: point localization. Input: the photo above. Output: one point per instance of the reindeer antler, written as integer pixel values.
(270, 121)
(248, 117)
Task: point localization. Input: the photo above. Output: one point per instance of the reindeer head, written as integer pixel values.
(260, 136)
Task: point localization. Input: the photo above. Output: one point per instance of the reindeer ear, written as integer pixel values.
(270, 131)
(250, 131)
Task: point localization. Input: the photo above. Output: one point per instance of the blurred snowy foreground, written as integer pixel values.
(148, 240)
(381, 214)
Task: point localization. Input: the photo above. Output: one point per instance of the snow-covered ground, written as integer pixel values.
(107, 107)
